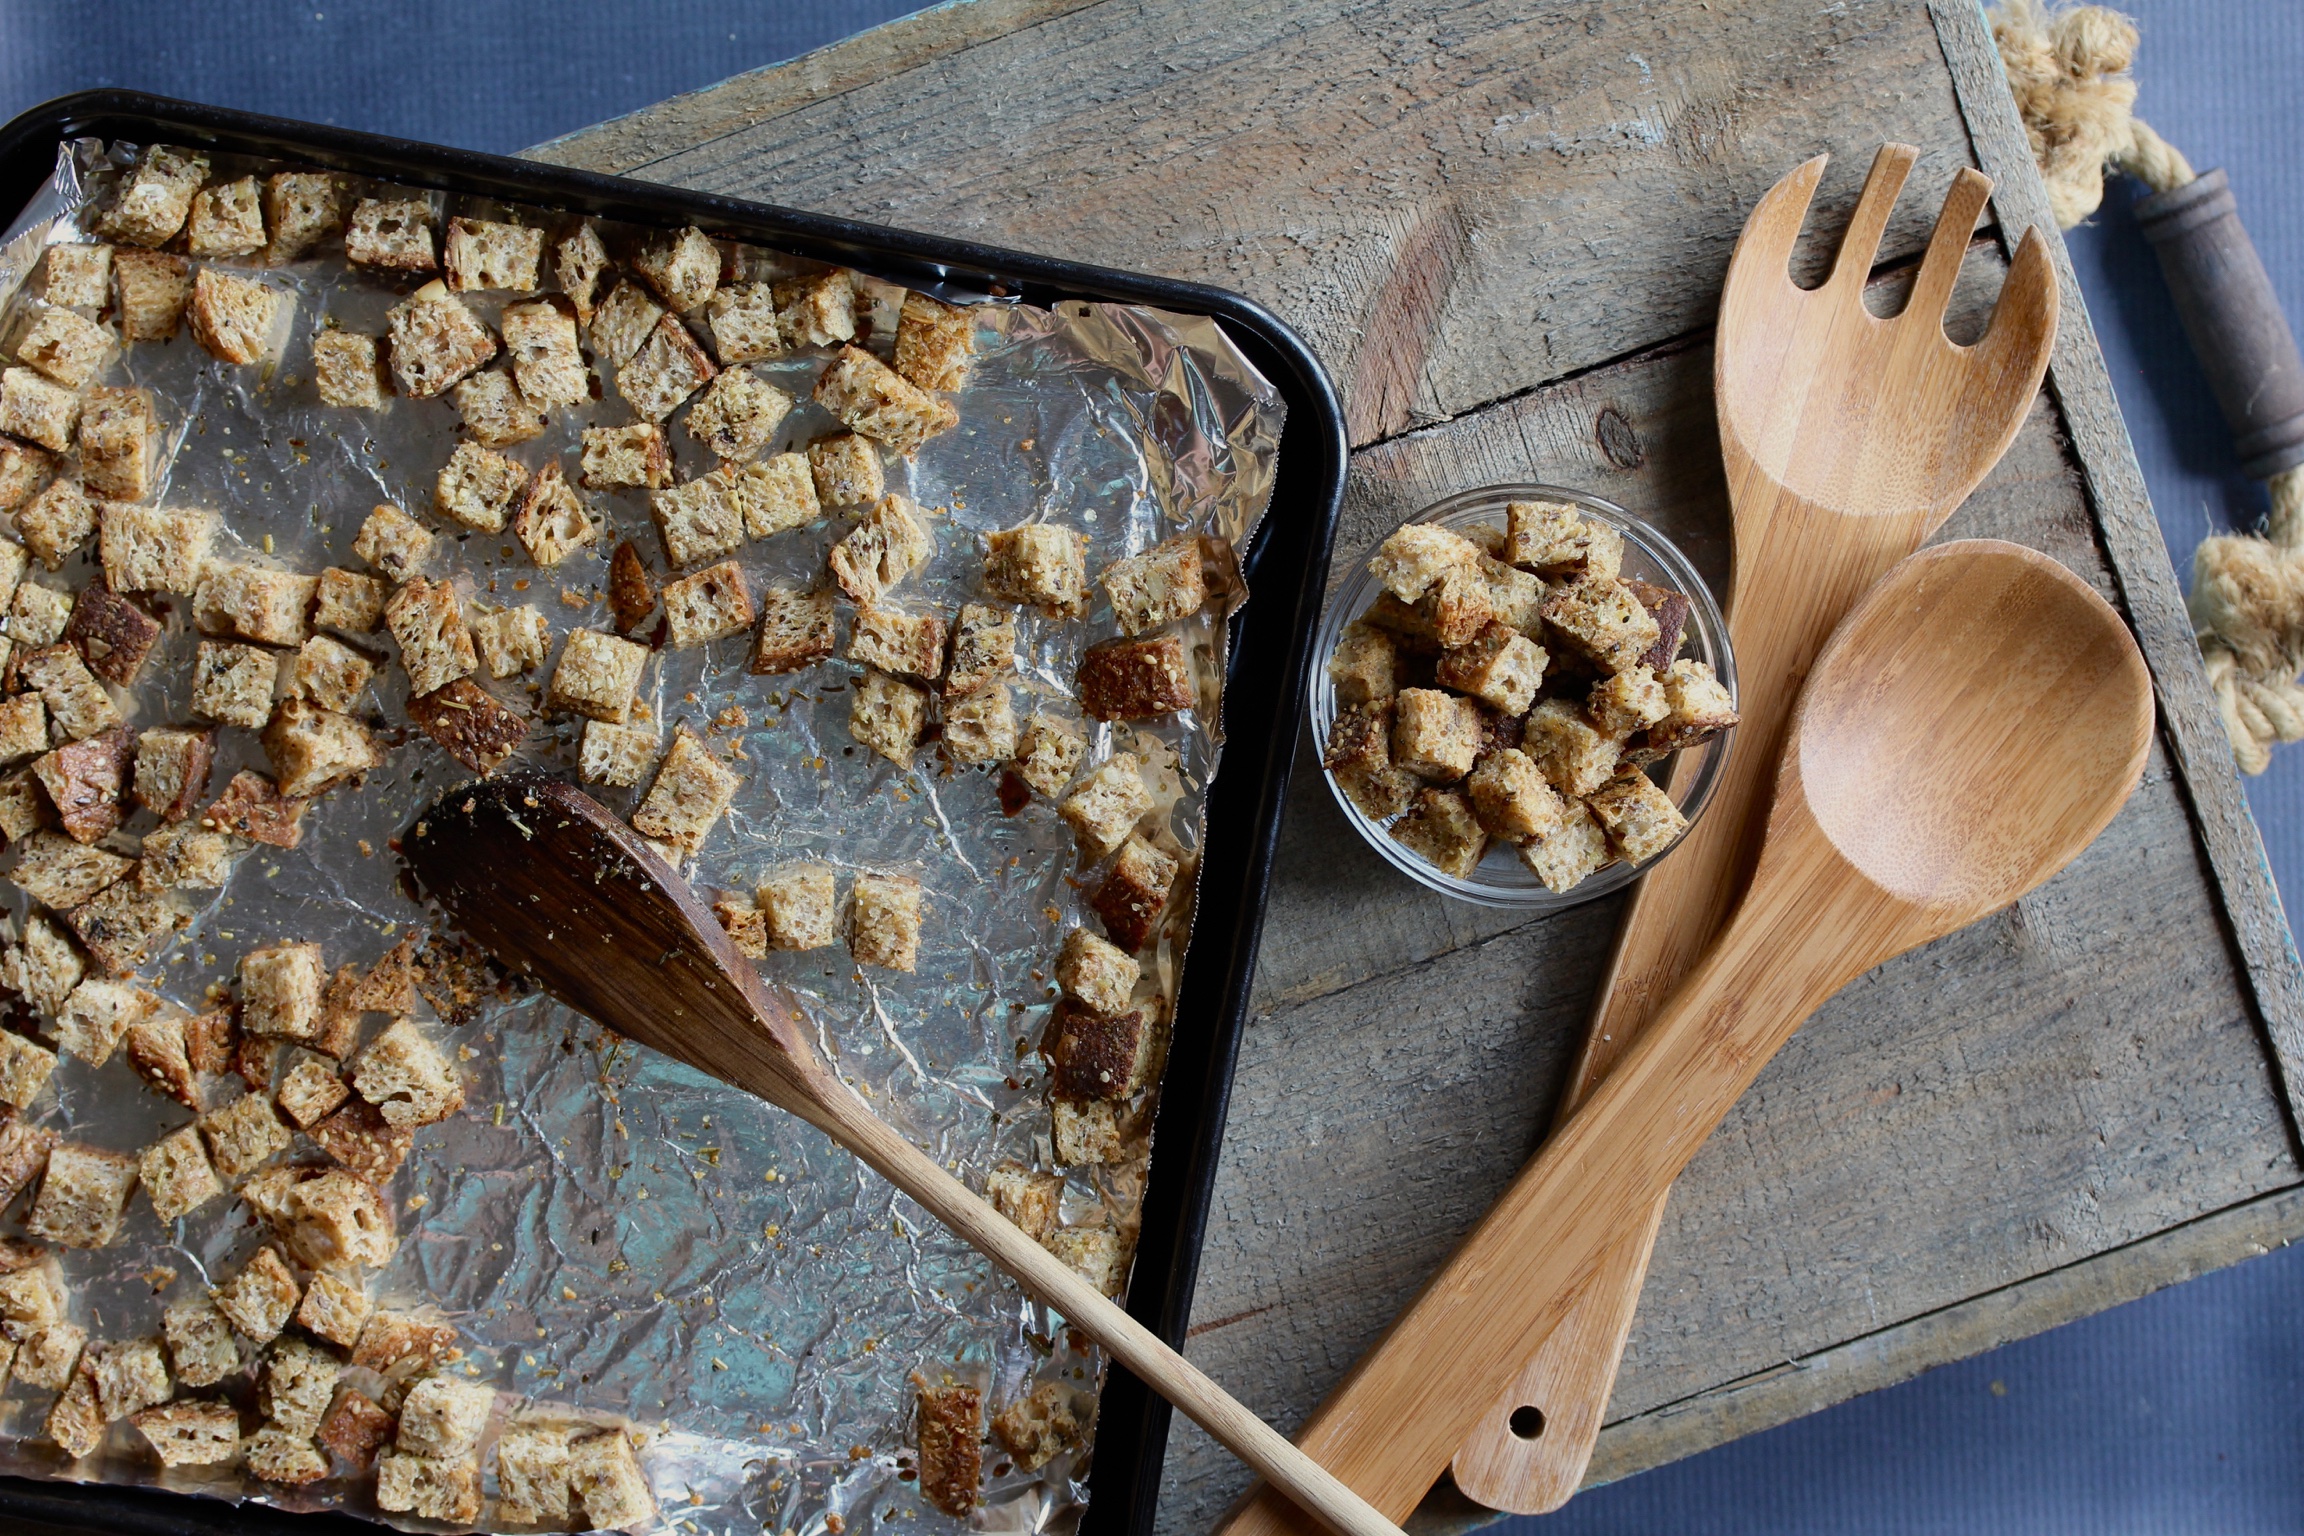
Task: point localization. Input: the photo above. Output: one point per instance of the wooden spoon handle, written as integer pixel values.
(1304, 1480)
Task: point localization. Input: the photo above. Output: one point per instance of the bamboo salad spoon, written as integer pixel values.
(1970, 728)
(559, 889)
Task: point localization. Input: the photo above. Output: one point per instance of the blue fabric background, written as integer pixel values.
(2181, 1412)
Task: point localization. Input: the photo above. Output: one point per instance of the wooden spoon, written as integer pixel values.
(559, 889)
(1974, 724)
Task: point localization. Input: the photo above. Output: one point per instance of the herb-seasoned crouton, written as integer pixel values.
(934, 342)
(258, 1300)
(1640, 819)
(1048, 750)
(1095, 1055)
(1600, 619)
(359, 1137)
(1627, 703)
(253, 807)
(795, 630)
(1501, 667)
(330, 674)
(888, 715)
(1435, 735)
(1697, 707)
(298, 1380)
(1107, 805)
(313, 749)
(1512, 798)
(1041, 565)
(32, 1298)
(24, 473)
(744, 923)
(404, 1075)
(668, 368)
(148, 549)
(112, 634)
(234, 683)
(337, 1220)
(579, 261)
(184, 855)
(737, 414)
(616, 457)
(97, 1014)
(744, 324)
(552, 522)
(156, 197)
(158, 1053)
(435, 645)
(683, 267)
(57, 522)
(42, 965)
(874, 399)
(250, 602)
(118, 438)
(482, 254)
(981, 727)
(478, 730)
(1158, 587)
(1135, 894)
(74, 1422)
(1095, 1253)
(1095, 972)
(699, 522)
(190, 1433)
(303, 208)
(1026, 1198)
(154, 288)
(393, 234)
(775, 494)
(78, 707)
(532, 1473)
(280, 987)
(177, 1174)
(124, 924)
(335, 1307)
(444, 1417)
(1358, 755)
(237, 319)
(540, 340)
(82, 1196)
(273, 1455)
(477, 488)
(798, 902)
(36, 617)
(615, 754)
(1417, 557)
(817, 311)
(394, 543)
(227, 220)
(1556, 540)
(691, 792)
(59, 872)
(436, 342)
(244, 1135)
(624, 321)
(707, 606)
(909, 644)
(512, 640)
(950, 1432)
(1441, 829)
(983, 649)
(76, 276)
(1563, 857)
(200, 1343)
(24, 1070)
(67, 347)
(845, 470)
(597, 675)
(1037, 1428)
(1136, 679)
(1574, 754)
(605, 1477)
(32, 407)
(24, 806)
(50, 1357)
(429, 1487)
(887, 546)
(495, 413)
(884, 921)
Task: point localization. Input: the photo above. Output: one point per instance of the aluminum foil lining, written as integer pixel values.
(612, 1233)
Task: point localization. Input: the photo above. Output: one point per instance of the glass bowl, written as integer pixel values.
(1501, 880)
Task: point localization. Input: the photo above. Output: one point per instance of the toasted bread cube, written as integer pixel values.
(67, 347)
(797, 900)
(338, 1220)
(981, 727)
(234, 683)
(817, 311)
(1574, 754)
(1134, 895)
(303, 208)
(1435, 735)
(908, 644)
(244, 1135)
(512, 640)
(690, 794)
(395, 234)
(43, 965)
(396, 543)
(77, 276)
(74, 1422)
(1416, 557)
(477, 729)
(32, 407)
(177, 1174)
(1365, 665)
(78, 707)
(1501, 667)
(744, 923)
(477, 488)
(156, 197)
(24, 473)
(56, 523)
(37, 617)
(24, 806)
(699, 521)
(1556, 539)
(1095, 972)
(82, 1196)
(154, 288)
(1640, 819)
(624, 322)
(604, 1475)
(96, 1015)
(330, 674)
(1627, 703)
(1158, 587)
(237, 319)
(983, 649)
(481, 254)
(552, 522)
(1359, 755)
(112, 634)
(23, 728)
(248, 602)
(597, 675)
(150, 549)
(744, 324)
(443, 1417)
(200, 1343)
(950, 1434)
(796, 630)
(774, 494)
(1670, 611)
(1026, 1198)
(635, 455)
(182, 855)
(1512, 799)
(708, 606)
(683, 267)
(1563, 857)
(435, 645)
(392, 1340)
(845, 470)
(1515, 598)
(1697, 707)
(1039, 564)
(190, 1433)
(615, 754)
(172, 764)
(429, 1487)
(1084, 1132)
(1441, 829)
(875, 400)
(1048, 750)
(258, 1300)
(934, 342)
(540, 342)
(1599, 617)
(1095, 1055)
(495, 413)
(24, 1070)
(532, 1473)
(356, 1427)
(275, 1455)
(227, 220)
(50, 1357)
(436, 342)
(1097, 1253)
(1037, 1428)
(887, 546)
(129, 1377)
(1107, 805)
(359, 1137)
(666, 370)
(404, 1075)
(253, 807)
(334, 1308)
(15, 560)
(888, 715)
(737, 414)
(884, 921)
(280, 987)
(158, 1051)
(123, 925)
(297, 1382)
(32, 1298)
(1136, 679)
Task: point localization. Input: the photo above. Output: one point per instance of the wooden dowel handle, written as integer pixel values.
(1311, 1486)
(2237, 329)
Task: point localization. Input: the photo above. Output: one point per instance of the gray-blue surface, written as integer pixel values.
(2180, 1412)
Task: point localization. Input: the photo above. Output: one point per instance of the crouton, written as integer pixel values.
(274, 1455)
(615, 754)
(25, 1067)
(1038, 1427)
(950, 1432)
(1640, 819)
(597, 675)
(1515, 598)
(337, 1219)
(154, 288)
(67, 347)
(981, 727)
(909, 644)
(983, 649)
(1625, 704)
(1082, 1132)
(873, 399)
(1107, 805)
(1563, 857)
(444, 1417)
(436, 342)
(36, 617)
(707, 606)
(50, 1357)
(177, 1174)
(157, 1050)
(97, 1014)
(511, 640)
(617, 457)
(303, 208)
(699, 521)
(1417, 557)
(297, 1382)
(124, 925)
(200, 1343)
(737, 415)
(887, 546)
(359, 1137)
(156, 197)
(884, 921)
(356, 1427)
(227, 220)
(234, 684)
(478, 730)
(32, 407)
(774, 494)
(24, 806)
(248, 602)
(744, 923)
(817, 311)
(1041, 565)
(744, 324)
(1048, 750)
(683, 267)
(404, 1075)
(1094, 1055)
(623, 322)
(182, 855)
(1359, 756)
(190, 1433)
(552, 522)
(24, 473)
(888, 716)
(1435, 735)
(495, 413)
(253, 807)
(1600, 619)
(579, 261)
(1095, 972)
(78, 707)
(1556, 540)
(1512, 798)
(1573, 753)
(74, 1422)
(540, 341)
(112, 634)
(435, 645)
(237, 319)
(845, 470)
(1441, 829)
(666, 370)
(796, 630)
(244, 1135)
(1026, 1198)
(393, 1340)
(82, 1196)
(77, 276)
(1135, 894)
(691, 792)
(1500, 667)
(1697, 707)
(150, 549)
(604, 1475)
(55, 524)
(1158, 587)
(429, 1487)
(59, 872)
(797, 900)
(391, 541)
(532, 1473)
(330, 674)
(394, 234)
(1136, 679)
(280, 987)
(482, 254)
(43, 965)
(934, 342)
(32, 1299)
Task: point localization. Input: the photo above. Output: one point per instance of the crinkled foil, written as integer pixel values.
(611, 1232)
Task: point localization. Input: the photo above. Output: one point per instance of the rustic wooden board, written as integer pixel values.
(1504, 227)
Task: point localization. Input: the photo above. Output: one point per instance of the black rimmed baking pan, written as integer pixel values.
(1271, 642)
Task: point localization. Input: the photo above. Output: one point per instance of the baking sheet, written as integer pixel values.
(610, 1231)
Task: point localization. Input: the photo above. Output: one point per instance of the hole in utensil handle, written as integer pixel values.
(1527, 1421)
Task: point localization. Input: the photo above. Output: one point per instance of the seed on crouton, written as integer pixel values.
(42, 965)
(123, 925)
(359, 1137)
(775, 494)
(884, 921)
(25, 1067)
(310, 1093)
(1158, 587)
(981, 727)
(605, 1477)
(280, 988)
(478, 730)
(797, 900)
(190, 1433)
(337, 1219)
(950, 1431)
(59, 872)
(796, 630)
(24, 472)
(78, 706)
(330, 674)
(845, 470)
(744, 324)
(707, 606)
(312, 749)
(908, 644)
(335, 1307)
(57, 522)
(244, 1135)
(511, 640)
(1097, 973)
(579, 261)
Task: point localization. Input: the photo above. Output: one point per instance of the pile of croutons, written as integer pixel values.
(1513, 686)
